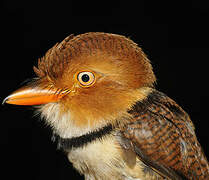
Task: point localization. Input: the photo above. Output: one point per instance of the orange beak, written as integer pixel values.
(35, 96)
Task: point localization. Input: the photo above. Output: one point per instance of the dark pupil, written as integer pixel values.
(85, 78)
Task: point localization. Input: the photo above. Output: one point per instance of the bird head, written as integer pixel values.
(87, 81)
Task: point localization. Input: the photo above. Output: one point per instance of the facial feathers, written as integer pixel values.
(116, 52)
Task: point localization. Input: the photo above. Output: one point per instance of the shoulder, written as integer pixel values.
(158, 104)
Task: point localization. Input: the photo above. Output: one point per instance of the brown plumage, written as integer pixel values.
(96, 92)
(163, 134)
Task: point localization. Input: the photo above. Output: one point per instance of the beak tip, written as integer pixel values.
(5, 100)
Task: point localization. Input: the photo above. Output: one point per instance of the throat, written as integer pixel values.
(66, 144)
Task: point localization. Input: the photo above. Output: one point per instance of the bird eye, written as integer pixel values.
(86, 78)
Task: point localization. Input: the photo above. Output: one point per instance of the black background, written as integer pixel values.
(174, 35)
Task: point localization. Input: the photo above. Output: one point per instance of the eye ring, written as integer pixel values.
(86, 78)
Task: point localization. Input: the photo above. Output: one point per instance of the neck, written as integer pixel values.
(67, 144)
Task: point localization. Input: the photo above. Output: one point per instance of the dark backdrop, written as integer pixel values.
(174, 35)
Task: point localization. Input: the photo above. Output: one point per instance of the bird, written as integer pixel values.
(97, 93)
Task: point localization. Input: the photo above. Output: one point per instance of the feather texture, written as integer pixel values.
(163, 136)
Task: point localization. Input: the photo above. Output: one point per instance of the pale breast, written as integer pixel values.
(104, 159)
